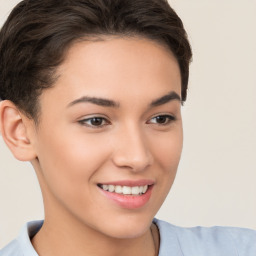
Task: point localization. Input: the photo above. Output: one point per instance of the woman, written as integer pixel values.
(92, 98)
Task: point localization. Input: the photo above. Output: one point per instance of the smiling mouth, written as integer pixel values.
(125, 190)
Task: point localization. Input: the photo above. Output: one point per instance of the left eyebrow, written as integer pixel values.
(165, 99)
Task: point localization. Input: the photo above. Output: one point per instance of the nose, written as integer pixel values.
(132, 150)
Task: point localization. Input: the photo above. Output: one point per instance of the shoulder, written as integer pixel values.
(12, 249)
(22, 246)
(214, 241)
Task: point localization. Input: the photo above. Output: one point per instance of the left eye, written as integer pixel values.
(94, 122)
(162, 119)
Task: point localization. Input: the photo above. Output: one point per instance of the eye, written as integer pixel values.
(162, 119)
(94, 122)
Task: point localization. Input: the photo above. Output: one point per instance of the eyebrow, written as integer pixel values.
(165, 99)
(110, 103)
(97, 101)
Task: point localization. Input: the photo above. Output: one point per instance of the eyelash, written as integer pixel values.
(166, 118)
(102, 119)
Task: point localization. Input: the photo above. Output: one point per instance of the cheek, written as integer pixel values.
(167, 150)
(68, 163)
(167, 154)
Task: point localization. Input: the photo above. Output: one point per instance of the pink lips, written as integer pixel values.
(129, 201)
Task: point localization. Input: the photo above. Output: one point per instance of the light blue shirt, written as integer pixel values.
(174, 241)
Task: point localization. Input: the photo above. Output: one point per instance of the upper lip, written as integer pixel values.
(130, 183)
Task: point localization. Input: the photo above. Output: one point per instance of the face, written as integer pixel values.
(110, 136)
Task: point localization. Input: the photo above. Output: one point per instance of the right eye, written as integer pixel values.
(162, 120)
(94, 122)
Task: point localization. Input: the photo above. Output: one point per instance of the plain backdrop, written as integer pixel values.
(215, 184)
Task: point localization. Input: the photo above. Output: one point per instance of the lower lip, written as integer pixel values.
(129, 201)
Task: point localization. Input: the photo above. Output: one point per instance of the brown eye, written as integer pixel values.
(162, 119)
(94, 122)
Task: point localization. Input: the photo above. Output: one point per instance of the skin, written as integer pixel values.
(71, 157)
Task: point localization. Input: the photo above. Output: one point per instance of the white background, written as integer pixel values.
(216, 181)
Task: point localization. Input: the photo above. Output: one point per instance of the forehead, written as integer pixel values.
(119, 68)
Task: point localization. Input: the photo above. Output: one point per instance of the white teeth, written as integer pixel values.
(145, 188)
(105, 187)
(111, 188)
(118, 189)
(135, 190)
(126, 190)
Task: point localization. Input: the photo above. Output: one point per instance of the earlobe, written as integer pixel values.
(14, 131)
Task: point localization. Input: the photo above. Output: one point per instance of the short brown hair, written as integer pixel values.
(37, 33)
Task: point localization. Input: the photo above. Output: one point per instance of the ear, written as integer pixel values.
(15, 129)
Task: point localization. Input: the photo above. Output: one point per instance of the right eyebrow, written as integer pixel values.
(94, 100)
(166, 98)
